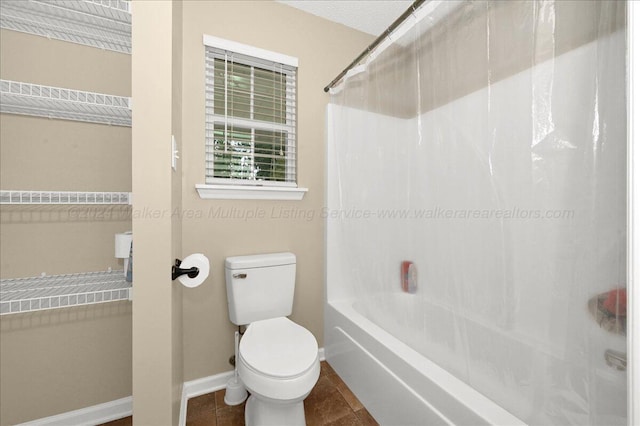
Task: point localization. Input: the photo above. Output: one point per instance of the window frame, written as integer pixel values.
(234, 188)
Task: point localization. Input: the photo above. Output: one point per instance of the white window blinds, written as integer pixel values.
(250, 119)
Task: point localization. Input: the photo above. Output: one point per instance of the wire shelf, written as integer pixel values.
(54, 102)
(105, 24)
(64, 197)
(62, 291)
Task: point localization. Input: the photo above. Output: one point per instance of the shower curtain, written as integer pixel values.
(486, 144)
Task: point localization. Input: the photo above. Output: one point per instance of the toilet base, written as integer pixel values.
(259, 412)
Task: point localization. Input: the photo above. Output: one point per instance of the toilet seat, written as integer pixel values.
(278, 348)
(278, 359)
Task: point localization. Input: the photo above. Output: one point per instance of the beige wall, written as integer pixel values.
(323, 49)
(157, 306)
(57, 357)
(61, 360)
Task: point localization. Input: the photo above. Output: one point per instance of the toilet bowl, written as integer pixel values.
(279, 365)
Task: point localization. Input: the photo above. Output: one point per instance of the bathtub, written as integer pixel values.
(396, 384)
(424, 384)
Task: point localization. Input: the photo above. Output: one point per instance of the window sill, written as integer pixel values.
(249, 192)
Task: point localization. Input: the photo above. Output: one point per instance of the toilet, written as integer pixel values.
(277, 359)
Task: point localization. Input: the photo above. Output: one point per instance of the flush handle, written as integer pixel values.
(240, 276)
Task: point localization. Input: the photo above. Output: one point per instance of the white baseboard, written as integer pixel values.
(89, 416)
(114, 410)
(202, 386)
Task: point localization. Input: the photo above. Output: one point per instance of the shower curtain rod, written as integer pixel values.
(416, 4)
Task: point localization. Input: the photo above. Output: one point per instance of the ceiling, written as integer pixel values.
(369, 16)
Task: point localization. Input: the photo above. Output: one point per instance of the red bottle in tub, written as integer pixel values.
(408, 277)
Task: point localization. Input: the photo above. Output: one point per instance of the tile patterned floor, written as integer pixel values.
(330, 403)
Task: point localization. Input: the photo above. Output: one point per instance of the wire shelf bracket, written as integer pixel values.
(19, 295)
(66, 104)
(105, 24)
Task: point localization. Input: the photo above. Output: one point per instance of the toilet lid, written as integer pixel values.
(278, 347)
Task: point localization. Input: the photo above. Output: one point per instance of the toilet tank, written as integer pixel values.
(260, 286)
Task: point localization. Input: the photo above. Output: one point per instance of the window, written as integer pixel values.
(250, 115)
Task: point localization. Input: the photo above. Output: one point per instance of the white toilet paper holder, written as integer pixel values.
(176, 271)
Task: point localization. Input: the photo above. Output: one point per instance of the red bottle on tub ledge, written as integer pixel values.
(408, 277)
